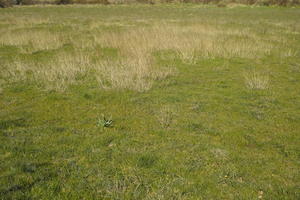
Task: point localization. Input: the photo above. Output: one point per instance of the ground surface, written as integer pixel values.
(217, 118)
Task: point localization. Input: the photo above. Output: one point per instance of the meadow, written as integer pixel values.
(166, 101)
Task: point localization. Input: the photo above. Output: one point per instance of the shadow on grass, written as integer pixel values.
(29, 168)
(12, 123)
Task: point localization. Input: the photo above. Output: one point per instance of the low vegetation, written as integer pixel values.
(167, 101)
(219, 3)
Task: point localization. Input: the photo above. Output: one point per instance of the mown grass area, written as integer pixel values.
(204, 102)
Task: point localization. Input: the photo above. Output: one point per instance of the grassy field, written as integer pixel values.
(204, 102)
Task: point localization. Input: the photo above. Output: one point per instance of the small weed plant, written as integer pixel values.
(105, 122)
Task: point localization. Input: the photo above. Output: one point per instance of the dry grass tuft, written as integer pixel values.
(257, 80)
(190, 42)
(67, 69)
(57, 74)
(134, 68)
(133, 74)
(166, 116)
(30, 41)
(63, 71)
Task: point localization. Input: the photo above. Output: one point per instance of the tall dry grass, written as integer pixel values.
(256, 80)
(66, 69)
(57, 74)
(30, 41)
(136, 74)
(202, 41)
(135, 67)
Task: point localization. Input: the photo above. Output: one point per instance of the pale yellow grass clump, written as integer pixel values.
(12, 72)
(19, 21)
(257, 80)
(134, 68)
(289, 53)
(67, 69)
(63, 71)
(135, 74)
(189, 41)
(57, 74)
(29, 40)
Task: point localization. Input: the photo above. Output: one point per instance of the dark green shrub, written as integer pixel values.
(146, 1)
(64, 2)
(105, 2)
(221, 4)
(26, 2)
(263, 2)
(6, 3)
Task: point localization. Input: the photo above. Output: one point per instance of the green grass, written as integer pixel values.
(203, 132)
